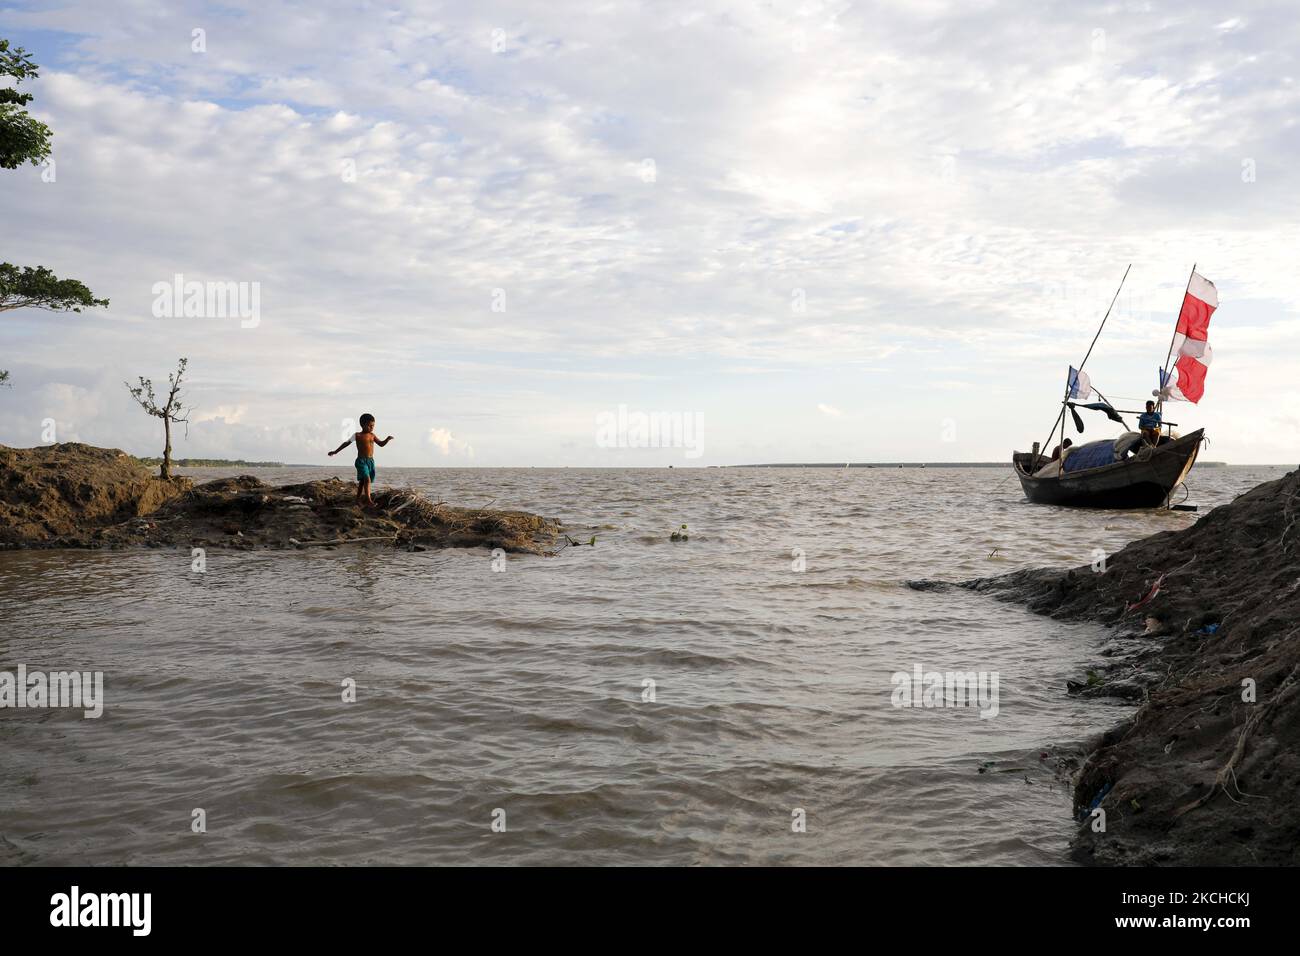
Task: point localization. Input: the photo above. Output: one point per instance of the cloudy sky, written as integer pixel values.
(824, 231)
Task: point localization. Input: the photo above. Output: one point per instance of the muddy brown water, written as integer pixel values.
(524, 689)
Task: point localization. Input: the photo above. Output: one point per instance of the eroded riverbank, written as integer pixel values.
(1207, 770)
(80, 496)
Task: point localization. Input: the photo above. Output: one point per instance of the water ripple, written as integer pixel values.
(642, 701)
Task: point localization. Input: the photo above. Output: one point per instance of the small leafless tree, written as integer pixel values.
(170, 411)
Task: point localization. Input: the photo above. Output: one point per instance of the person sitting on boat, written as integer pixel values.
(1056, 452)
(1149, 424)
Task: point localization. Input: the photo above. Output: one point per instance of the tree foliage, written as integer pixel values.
(23, 138)
(39, 288)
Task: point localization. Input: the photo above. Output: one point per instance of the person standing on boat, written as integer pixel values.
(1149, 424)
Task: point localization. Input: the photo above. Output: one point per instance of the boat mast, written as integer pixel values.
(1164, 369)
(1066, 397)
(1061, 441)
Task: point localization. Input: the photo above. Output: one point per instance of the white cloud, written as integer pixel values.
(230, 414)
(447, 443)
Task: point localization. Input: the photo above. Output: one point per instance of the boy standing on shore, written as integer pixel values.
(366, 442)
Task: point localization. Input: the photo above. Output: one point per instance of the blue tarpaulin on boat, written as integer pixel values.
(1092, 455)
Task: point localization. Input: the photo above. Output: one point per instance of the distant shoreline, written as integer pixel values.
(223, 463)
(915, 464)
(215, 463)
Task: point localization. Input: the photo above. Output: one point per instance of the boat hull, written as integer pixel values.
(1132, 483)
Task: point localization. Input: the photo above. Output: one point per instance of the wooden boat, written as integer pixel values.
(1144, 480)
(1129, 471)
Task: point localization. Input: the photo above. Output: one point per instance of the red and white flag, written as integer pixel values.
(1186, 380)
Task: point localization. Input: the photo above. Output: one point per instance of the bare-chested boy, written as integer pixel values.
(366, 442)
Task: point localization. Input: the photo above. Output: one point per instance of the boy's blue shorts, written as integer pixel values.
(365, 469)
